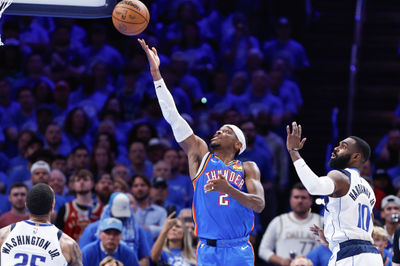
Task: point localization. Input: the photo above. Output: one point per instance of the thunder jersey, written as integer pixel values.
(349, 217)
(31, 243)
(217, 215)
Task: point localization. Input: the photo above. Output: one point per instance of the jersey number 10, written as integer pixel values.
(364, 217)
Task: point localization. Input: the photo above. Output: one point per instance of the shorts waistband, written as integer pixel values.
(354, 247)
(224, 242)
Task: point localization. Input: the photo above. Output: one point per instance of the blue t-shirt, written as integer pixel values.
(93, 255)
(174, 257)
(320, 256)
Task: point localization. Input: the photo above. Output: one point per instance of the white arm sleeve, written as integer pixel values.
(315, 185)
(180, 127)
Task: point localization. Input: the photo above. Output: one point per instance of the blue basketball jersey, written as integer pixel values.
(217, 215)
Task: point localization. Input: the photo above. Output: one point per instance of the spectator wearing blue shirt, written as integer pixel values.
(137, 238)
(150, 216)
(174, 244)
(109, 245)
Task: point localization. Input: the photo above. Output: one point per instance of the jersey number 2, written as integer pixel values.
(25, 259)
(364, 217)
(223, 200)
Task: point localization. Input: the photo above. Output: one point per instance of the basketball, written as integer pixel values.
(130, 17)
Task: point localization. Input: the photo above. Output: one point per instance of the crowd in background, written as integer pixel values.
(78, 111)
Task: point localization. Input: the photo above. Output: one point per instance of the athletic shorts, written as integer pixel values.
(225, 252)
(356, 252)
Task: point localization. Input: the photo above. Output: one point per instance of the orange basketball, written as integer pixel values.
(130, 17)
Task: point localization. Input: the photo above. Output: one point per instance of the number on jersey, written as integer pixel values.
(25, 259)
(223, 200)
(364, 217)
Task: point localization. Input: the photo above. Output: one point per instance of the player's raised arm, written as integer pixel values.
(183, 134)
(334, 184)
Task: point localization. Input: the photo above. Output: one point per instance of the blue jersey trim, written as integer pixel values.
(37, 224)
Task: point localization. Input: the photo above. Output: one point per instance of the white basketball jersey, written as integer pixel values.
(349, 217)
(295, 235)
(33, 244)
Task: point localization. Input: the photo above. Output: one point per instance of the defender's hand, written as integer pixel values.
(294, 140)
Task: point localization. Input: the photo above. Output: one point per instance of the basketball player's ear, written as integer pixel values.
(238, 145)
(357, 156)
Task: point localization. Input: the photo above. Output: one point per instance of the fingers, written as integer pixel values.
(154, 51)
(208, 187)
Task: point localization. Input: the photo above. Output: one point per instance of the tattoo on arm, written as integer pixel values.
(76, 256)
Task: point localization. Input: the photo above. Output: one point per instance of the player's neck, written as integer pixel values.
(226, 158)
(40, 219)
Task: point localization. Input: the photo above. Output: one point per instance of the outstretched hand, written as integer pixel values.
(294, 140)
(152, 57)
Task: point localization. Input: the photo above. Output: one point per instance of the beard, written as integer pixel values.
(141, 198)
(83, 192)
(339, 162)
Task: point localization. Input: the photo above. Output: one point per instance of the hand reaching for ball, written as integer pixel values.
(152, 57)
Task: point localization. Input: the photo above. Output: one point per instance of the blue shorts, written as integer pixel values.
(237, 251)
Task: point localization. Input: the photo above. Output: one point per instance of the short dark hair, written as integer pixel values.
(363, 148)
(18, 184)
(143, 177)
(299, 186)
(40, 199)
(84, 173)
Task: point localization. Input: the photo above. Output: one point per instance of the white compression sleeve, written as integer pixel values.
(315, 185)
(180, 127)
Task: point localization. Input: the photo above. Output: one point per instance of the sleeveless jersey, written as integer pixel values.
(30, 243)
(217, 215)
(349, 217)
(76, 219)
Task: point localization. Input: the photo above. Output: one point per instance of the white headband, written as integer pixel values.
(240, 136)
(40, 164)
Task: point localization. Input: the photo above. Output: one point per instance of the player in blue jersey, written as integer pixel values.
(226, 191)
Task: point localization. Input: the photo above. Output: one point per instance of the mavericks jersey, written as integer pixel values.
(217, 215)
(349, 217)
(30, 243)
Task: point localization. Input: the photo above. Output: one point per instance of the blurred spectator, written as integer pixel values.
(110, 261)
(143, 132)
(121, 171)
(60, 163)
(138, 160)
(54, 140)
(17, 198)
(108, 141)
(179, 186)
(109, 244)
(99, 48)
(57, 182)
(187, 217)
(380, 237)
(284, 46)
(120, 185)
(40, 173)
(260, 97)
(301, 261)
(101, 162)
(61, 101)
(236, 46)
(42, 92)
(104, 187)
(382, 185)
(74, 216)
(288, 92)
(390, 214)
(159, 192)
(388, 149)
(76, 127)
(278, 241)
(174, 244)
(24, 116)
(137, 238)
(183, 163)
(156, 149)
(150, 216)
(320, 255)
(80, 158)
